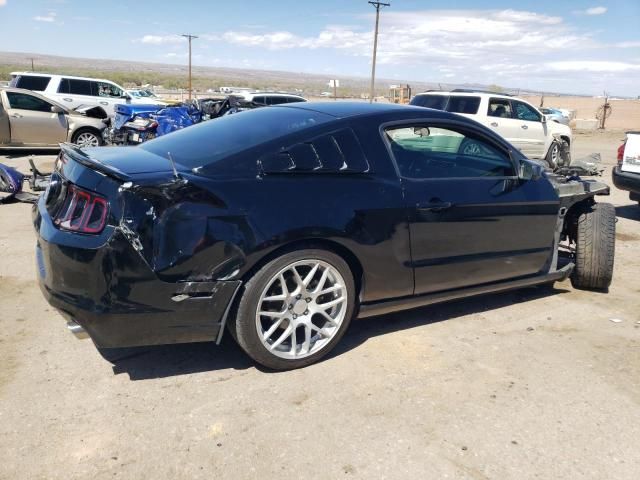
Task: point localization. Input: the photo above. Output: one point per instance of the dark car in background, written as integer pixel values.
(281, 224)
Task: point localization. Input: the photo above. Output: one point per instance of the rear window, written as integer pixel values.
(210, 142)
(73, 86)
(430, 101)
(339, 151)
(29, 82)
(463, 104)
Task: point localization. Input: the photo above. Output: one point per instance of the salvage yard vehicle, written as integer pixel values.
(29, 120)
(626, 174)
(281, 224)
(269, 98)
(75, 91)
(516, 120)
(554, 115)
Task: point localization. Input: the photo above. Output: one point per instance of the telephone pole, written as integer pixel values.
(32, 59)
(190, 37)
(377, 5)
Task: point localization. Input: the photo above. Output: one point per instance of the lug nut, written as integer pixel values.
(295, 316)
(308, 299)
(306, 312)
(298, 297)
(290, 306)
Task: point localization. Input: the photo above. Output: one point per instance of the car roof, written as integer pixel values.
(465, 93)
(51, 75)
(352, 109)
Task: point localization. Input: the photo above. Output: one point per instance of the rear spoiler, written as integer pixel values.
(76, 154)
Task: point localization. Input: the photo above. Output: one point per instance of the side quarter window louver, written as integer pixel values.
(337, 152)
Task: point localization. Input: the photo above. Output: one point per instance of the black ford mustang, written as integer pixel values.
(283, 223)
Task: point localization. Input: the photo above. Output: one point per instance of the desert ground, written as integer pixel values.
(531, 384)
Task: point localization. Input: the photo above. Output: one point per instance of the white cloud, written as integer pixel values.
(49, 17)
(596, 10)
(632, 44)
(3, 3)
(161, 39)
(594, 66)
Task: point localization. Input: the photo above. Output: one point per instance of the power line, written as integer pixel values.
(190, 37)
(377, 5)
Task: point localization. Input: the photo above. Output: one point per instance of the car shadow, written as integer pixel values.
(173, 360)
(631, 212)
(15, 153)
(364, 329)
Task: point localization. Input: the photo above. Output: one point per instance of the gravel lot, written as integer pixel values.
(538, 383)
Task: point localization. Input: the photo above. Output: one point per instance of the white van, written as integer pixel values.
(75, 91)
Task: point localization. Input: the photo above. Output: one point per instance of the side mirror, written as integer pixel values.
(529, 171)
(56, 109)
(543, 119)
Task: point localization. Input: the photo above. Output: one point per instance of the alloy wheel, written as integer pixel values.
(301, 309)
(87, 139)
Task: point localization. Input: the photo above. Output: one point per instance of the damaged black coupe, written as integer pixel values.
(281, 224)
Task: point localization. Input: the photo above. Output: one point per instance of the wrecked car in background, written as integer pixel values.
(29, 120)
(134, 124)
(283, 223)
(626, 174)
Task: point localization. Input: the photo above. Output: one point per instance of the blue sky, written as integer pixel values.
(568, 46)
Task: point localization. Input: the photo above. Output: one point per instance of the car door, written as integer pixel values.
(32, 122)
(471, 219)
(532, 131)
(499, 118)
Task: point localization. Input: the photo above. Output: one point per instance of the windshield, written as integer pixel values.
(214, 140)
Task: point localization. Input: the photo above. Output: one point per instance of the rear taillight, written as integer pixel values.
(82, 211)
(621, 152)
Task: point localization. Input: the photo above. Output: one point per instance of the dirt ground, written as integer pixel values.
(532, 384)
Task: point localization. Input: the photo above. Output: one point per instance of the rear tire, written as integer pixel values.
(298, 329)
(595, 247)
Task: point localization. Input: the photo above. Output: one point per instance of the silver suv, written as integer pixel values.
(519, 122)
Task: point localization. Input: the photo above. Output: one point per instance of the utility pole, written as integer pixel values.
(32, 59)
(190, 37)
(377, 5)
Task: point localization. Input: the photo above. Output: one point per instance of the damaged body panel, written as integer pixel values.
(186, 222)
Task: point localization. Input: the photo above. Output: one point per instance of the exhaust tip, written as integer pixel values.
(79, 332)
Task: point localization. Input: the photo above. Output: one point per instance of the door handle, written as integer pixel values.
(104, 103)
(494, 124)
(524, 127)
(68, 99)
(16, 115)
(434, 206)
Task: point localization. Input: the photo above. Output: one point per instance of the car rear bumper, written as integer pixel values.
(626, 180)
(111, 293)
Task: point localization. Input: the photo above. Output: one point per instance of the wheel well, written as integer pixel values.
(354, 264)
(573, 213)
(566, 139)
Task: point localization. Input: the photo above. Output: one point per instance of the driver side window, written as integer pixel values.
(104, 89)
(23, 101)
(427, 152)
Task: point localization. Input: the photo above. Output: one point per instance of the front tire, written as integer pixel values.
(295, 309)
(553, 155)
(595, 247)
(86, 138)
